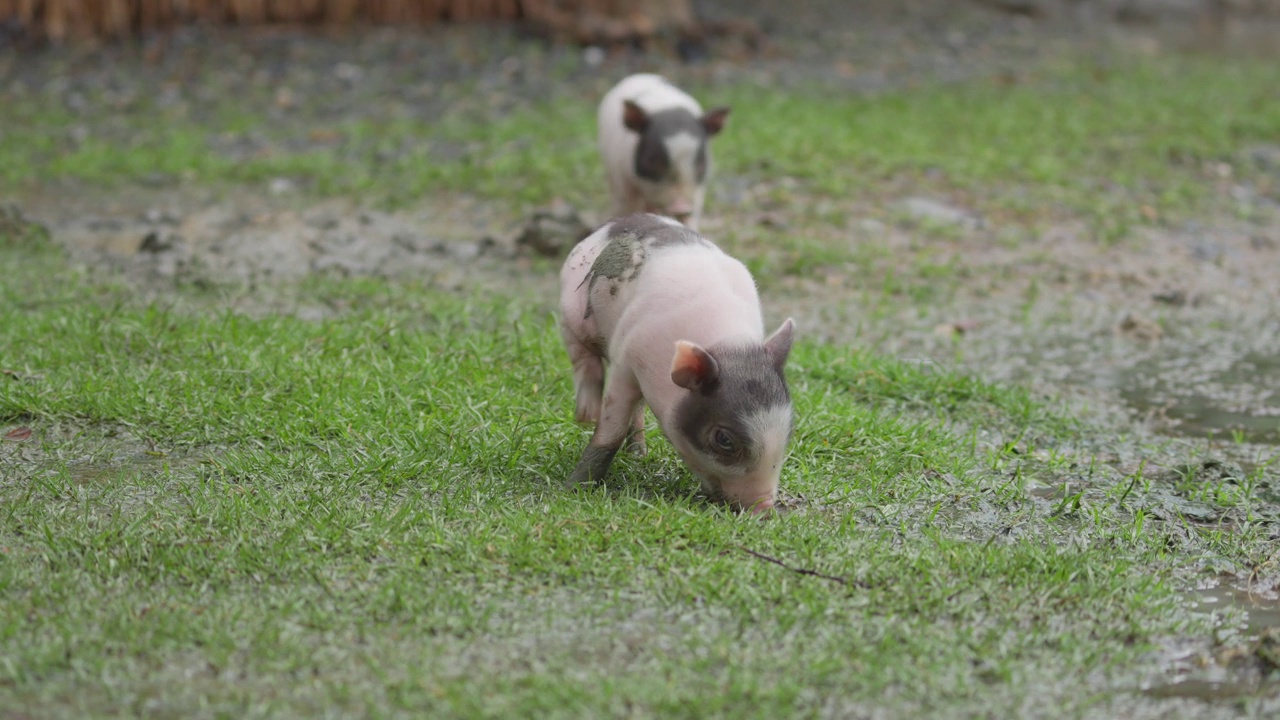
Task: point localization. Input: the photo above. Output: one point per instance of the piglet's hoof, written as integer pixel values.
(577, 479)
(593, 466)
(637, 447)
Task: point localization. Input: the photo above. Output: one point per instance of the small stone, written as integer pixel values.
(323, 222)
(157, 180)
(552, 231)
(16, 226)
(153, 242)
(929, 210)
(1033, 8)
(1140, 327)
(871, 226)
(156, 216)
(693, 50)
(955, 328)
(1264, 157)
(465, 250)
(1269, 648)
(280, 186)
(773, 221)
(348, 72)
(1206, 250)
(342, 266)
(1243, 194)
(593, 56)
(1177, 298)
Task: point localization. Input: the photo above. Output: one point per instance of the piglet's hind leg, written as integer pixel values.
(635, 442)
(588, 377)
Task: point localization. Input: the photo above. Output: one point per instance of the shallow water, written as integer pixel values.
(1223, 679)
(1215, 690)
(1242, 398)
(1262, 607)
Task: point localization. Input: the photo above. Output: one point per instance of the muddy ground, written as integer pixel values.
(1171, 337)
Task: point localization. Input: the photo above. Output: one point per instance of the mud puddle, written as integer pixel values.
(1239, 400)
(1244, 660)
(57, 460)
(1215, 690)
(1260, 607)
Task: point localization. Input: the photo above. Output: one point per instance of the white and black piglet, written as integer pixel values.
(654, 141)
(679, 325)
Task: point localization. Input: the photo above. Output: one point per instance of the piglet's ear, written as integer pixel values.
(634, 116)
(778, 346)
(714, 120)
(693, 368)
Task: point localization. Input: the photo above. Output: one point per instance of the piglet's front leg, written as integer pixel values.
(617, 413)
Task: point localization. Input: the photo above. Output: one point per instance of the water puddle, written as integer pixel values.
(1243, 665)
(1214, 690)
(111, 468)
(1046, 492)
(1193, 398)
(94, 473)
(1260, 606)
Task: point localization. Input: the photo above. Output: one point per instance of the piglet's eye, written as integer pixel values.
(723, 439)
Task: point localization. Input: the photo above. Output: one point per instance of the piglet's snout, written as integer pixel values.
(756, 503)
(681, 210)
(759, 501)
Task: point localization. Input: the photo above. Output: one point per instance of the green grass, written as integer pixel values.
(1090, 140)
(1132, 122)
(237, 516)
(228, 514)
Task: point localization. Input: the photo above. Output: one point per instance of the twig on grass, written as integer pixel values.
(804, 571)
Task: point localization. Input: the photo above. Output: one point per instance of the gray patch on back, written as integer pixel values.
(748, 384)
(664, 232)
(631, 239)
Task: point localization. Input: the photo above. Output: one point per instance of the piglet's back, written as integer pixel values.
(658, 278)
(700, 294)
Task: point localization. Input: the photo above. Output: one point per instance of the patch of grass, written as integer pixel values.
(1074, 135)
(1119, 144)
(257, 516)
(17, 232)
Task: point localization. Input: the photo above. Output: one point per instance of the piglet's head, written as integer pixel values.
(733, 424)
(671, 158)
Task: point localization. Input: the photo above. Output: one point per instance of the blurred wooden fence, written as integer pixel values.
(580, 20)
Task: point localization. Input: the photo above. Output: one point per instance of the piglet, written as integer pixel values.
(679, 323)
(653, 139)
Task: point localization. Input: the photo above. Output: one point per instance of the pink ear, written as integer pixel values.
(778, 346)
(693, 368)
(634, 116)
(714, 120)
